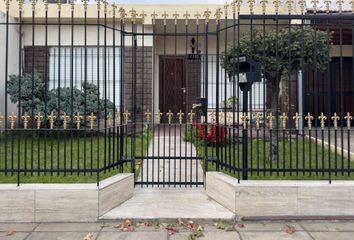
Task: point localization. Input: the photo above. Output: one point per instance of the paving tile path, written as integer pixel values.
(303, 230)
(168, 145)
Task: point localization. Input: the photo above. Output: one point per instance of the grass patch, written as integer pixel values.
(59, 151)
(300, 155)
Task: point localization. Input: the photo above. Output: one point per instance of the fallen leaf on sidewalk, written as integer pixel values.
(170, 230)
(180, 222)
(221, 225)
(290, 229)
(9, 233)
(197, 233)
(241, 225)
(125, 226)
(89, 236)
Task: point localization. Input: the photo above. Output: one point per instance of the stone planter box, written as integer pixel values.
(282, 198)
(63, 202)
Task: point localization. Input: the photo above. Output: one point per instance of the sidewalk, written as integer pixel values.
(303, 230)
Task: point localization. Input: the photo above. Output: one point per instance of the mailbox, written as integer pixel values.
(249, 71)
(201, 106)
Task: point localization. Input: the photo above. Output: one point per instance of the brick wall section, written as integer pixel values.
(144, 73)
(193, 82)
(39, 60)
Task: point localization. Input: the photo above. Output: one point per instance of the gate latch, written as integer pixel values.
(201, 106)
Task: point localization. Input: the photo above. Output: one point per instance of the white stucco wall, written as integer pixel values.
(79, 35)
(13, 57)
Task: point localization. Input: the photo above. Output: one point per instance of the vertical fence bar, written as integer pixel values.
(98, 90)
(19, 101)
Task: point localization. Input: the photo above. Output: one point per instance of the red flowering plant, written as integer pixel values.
(197, 132)
(213, 136)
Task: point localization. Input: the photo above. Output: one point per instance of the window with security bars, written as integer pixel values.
(69, 65)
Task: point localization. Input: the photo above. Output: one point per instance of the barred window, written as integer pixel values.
(109, 70)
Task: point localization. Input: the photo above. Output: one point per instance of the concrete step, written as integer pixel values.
(169, 204)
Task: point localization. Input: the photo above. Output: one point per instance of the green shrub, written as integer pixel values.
(71, 99)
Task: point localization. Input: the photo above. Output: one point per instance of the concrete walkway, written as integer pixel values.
(170, 204)
(306, 230)
(168, 145)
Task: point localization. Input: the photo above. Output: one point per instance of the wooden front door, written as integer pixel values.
(172, 84)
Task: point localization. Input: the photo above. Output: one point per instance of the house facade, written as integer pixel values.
(175, 60)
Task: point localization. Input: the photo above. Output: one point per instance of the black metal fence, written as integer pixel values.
(88, 94)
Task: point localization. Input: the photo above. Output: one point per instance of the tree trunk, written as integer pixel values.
(274, 81)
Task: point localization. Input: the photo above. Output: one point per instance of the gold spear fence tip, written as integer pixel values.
(218, 15)
(309, 119)
(164, 15)
(191, 116)
(289, 4)
(153, 16)
(349, 119)
(133, 15)
(328, 5)
(122, 14)
(110, 119)
(114, 9)
(284, 118)
(85, 4)
(206, 15)
(169, 116)
(1, 118)
(302, 6)
(117, 118)
(340, 6)
(251, 5)
(33, 3)
(276, 6)
(258, 118)
(159, 115)
(226, 9)
(78, 119)
(91, 118)
(20, 4)
(143, 16)
(38, 117)
(322, 119)
(296, 118)
(270, 119)
(229, 119)
(25, 119)
(148, 115)
(244, 119)
(105, 6)
(98, 4)
(314, 6)
(51, 119)
(12, 119)
(197, 16)
(126, 115)
(7, 3)
(175, 15)
(212, 117)
(264, 5)
(65, 119)
(335, 119)
(186, 17)
(180, 115)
